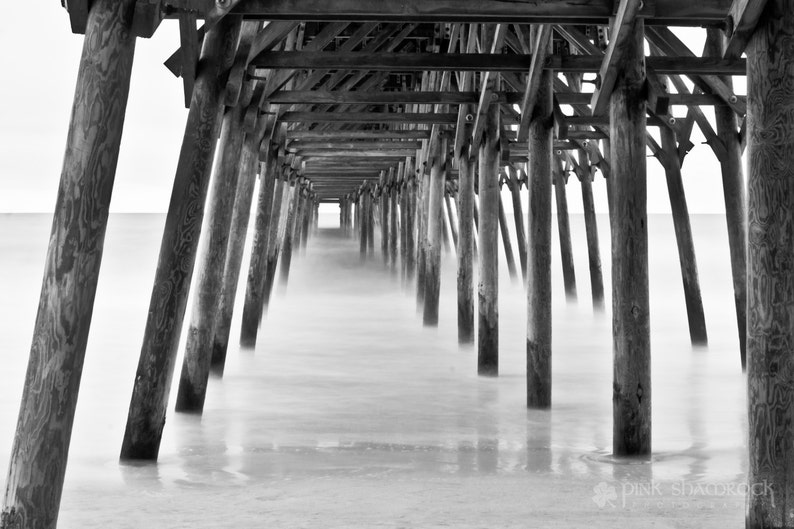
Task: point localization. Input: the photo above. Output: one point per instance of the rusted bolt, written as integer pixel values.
(671, 120)
(222, 3)
(469, 117)
(733, 99)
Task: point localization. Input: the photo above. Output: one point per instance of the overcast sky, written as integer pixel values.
(40, 61)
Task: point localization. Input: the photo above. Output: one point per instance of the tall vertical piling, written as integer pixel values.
(71, 271)
(394, 226)
(770, 268)
(631, 397)
(465, 250)
(488, 287)
(514, 185)
(591, 230)
(506, 244)
(539, 174)
(435, 225)
(146, 417)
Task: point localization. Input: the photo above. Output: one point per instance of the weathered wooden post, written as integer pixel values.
(422, 197)
(465, 249)
(410, 218)
(290, 232)
(630, 319)
(488, 288)
(506, 244)
(514, 185)
(683, 235)
(402, 186)
(453, 227)
(71, 271)
(438, 175)
(234, 256)
(539, 182)
(734, 196)
(770, 268)
(394, 228)
(585, 176)
(370, 221)
(254, 289)
(275, 237)
(362, 212)
(564, 230)
(198, 347)
(383, 201)
(178, 250)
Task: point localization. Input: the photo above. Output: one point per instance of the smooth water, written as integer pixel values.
(350, 414)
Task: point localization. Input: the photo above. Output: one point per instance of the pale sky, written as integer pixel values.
(38, 91)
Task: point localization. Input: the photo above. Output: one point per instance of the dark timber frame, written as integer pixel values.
(390, 109)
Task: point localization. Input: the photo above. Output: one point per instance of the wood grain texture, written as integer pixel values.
(244, 195)
(514, 186)
(591, 231)
(383, 199)
(631, 388)
(435, 225)
(252, 306)
(564, 231)
(770, 267)
(507, 245)
(71, 270)
(288, 242)
(540, 177)
(734, 195)
(410, 221)
(394, 227)
(422, 198)
(488, 285)
(211, 260)
(465, 284)
(683, 237)
(179, 247)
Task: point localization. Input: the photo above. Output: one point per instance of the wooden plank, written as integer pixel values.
(147, 17)
(620, 39)
(357, 135)
(488, 62)
(296, 145)
(741, 22)
(673, 12)
(541, 49)
(78, 14)
(368, 117)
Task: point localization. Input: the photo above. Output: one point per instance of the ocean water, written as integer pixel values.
(349, 413)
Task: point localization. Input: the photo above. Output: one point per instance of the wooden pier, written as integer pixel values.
(411, 115)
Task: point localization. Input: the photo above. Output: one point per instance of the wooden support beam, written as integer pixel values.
(291, 61)
(369, 117)
(672, 12)
(212, 257)
(683, 235)
(630, 321)
(488, 87)
(614, 59)
(670, 45)
(514, 185)
(78, 14)
(564, 231)
(71, 269)
(249, 162)
(741, 22)
(410, 221)
(254, 292)
(189, 52)
(539, 174)
(770, 270)
(384, 217)
(488, 300)
(289, 237)
(506, 244)
(541, 49)
(394, 228)
(734, 195)
(179, 247)
(358, 135)
(591, 230)
(435, 224)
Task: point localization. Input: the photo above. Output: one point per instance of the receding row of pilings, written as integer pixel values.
(39, 453)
